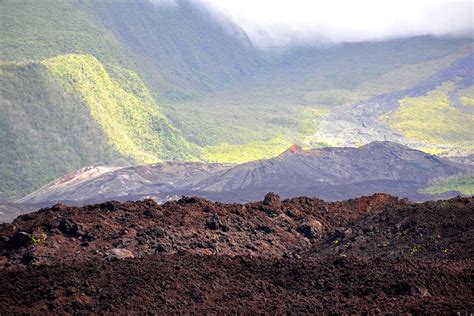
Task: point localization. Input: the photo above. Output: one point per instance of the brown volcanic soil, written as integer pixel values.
(185, 283)
(370, 254)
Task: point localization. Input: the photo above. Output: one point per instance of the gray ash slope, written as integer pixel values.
(360, 124)
(327, 173)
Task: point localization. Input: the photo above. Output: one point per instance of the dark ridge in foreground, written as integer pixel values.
(301, 255)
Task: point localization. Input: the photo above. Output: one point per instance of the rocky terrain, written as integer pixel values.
(327, 173)
(359, 123)
(10, 210)
(371, 254)
(186, 83)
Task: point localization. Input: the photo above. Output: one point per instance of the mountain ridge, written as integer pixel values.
(197, 77)
(328, 173)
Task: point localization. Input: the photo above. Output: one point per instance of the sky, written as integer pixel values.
(283, 22)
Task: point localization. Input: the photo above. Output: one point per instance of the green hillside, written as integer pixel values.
(463, 184)
(266, 107)
(432, 119)
(99, 81)
(122, 107)
(40, 29)
(234, 153)
(67, 112)
(184, 50)
(45, 132)
(466, 96)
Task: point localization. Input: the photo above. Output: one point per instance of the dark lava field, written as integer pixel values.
(376, 254)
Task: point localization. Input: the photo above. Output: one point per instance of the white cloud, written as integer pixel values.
(171, 3)
(280, 22)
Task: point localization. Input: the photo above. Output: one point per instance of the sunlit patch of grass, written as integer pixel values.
(432, 120)
(466, 96)
(122, 107)
(467, 101)
(309, 120)
(305, 135)
(232, 153)
(463, 184)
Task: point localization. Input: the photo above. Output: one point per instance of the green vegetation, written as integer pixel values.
(227, 153)
(410, 74)
(273, 103)
(414, 249)
(308, 126)
(40, 29)
(68, 112)
(262, 134)
(45, 132)
(123, 108)
(432, 120)
(466, 96)
(221, 119)
(36, 240)
(98, 82)
(431, 150)
(463, 184)
(404, 76)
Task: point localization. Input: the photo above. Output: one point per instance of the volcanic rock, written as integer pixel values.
(120, 254)
(375, 253)
(308, 230)
(272, 199)
(328, 173)
(20, 239)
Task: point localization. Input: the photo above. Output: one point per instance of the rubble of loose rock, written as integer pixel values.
(376, 253)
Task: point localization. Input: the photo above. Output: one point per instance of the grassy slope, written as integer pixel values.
(274, 111)
(246, 152)
(45, 132)
(67, 112)
(466, 96)
(463, 184)
(368, 68)
(181, 45)
(123, 108)
(36, 30)
(402, 77)
(431, 119)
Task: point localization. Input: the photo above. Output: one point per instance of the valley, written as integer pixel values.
(168, 83)
(236, 157)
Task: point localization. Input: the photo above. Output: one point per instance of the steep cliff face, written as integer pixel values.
(182, 45)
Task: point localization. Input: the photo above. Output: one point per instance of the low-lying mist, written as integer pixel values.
(277, 23)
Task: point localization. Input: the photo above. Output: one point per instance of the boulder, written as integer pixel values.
(20, 239)
(310, 229)
(120, 254)
(272, 199)
(68, 227)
